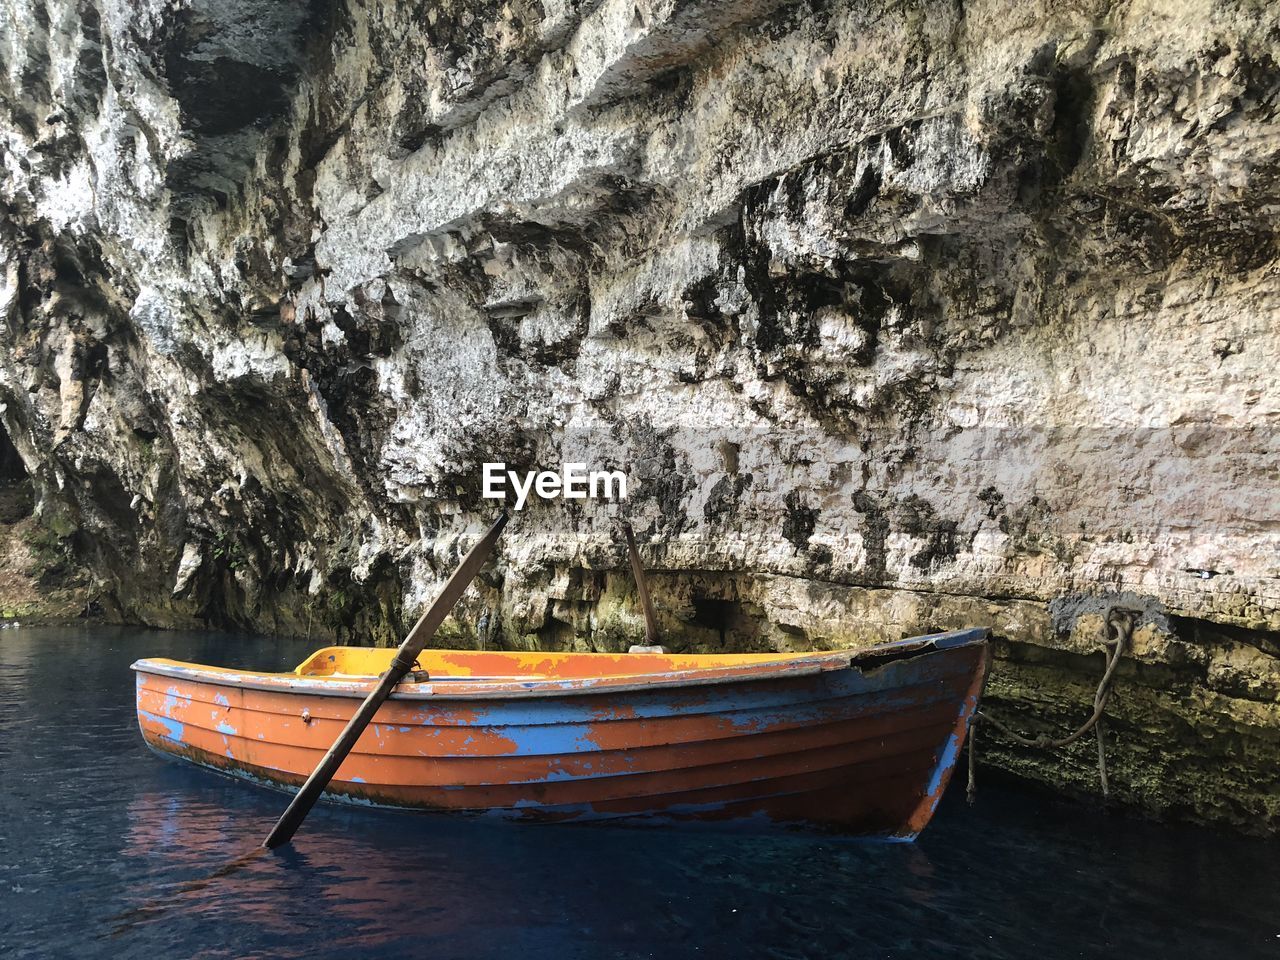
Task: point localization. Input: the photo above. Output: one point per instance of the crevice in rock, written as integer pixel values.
(1204, 632)
(39, 580)
(12, 469)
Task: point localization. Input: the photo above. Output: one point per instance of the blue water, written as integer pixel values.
(108, 851)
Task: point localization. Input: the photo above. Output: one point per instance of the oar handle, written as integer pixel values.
(642, 587)
(401, 664)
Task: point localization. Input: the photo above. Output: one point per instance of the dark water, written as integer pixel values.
(107, 851)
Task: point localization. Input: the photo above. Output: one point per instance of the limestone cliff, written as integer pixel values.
(901, 316)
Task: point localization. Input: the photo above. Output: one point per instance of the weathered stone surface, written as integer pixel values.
(901, 316)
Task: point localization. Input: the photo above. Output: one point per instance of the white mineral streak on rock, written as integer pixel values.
(255, 356)
(152, 315)
(187, 568)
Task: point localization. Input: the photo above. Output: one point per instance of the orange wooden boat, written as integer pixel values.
(864, 742)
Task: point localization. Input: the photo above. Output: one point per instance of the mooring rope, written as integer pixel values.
(1121, 622)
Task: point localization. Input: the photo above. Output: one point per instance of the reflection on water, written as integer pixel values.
(107, 851)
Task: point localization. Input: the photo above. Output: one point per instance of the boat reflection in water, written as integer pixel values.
(368, 889)
(387, 884)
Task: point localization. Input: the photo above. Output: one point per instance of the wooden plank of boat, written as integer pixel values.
(864, 742)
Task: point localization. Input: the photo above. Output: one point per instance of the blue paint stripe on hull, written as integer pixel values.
(763, 741)
(576, 738)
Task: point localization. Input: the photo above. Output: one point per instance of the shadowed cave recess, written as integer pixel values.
(15, 488)
(12, 471)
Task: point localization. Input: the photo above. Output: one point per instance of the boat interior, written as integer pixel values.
(347, 663)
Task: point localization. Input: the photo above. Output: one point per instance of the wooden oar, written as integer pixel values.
(642, 587)
(401, 664)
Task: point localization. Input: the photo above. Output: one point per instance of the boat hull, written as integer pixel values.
(864, 744)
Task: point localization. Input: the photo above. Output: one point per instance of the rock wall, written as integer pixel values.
(901, 316)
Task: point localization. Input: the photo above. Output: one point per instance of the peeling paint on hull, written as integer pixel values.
(864, 743)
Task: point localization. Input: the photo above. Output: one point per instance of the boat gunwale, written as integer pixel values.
(456, 688)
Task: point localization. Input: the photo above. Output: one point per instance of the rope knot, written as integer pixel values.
(1117, 631)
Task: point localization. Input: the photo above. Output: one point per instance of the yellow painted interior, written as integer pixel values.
(343, 662)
